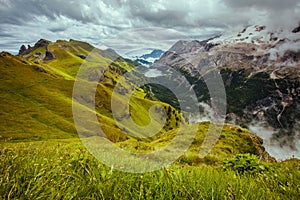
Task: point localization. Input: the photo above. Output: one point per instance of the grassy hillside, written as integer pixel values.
(35, 103)
(233, 140)
(36, 93)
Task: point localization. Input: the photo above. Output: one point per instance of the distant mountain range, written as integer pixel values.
(146, 57)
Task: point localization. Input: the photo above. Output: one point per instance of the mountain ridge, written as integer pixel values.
(261, 76)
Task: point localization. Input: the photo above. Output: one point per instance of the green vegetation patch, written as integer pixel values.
(65, 170)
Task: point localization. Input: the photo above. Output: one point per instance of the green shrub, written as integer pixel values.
(245, 163)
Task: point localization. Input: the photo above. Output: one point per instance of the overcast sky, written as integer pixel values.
(126, 25)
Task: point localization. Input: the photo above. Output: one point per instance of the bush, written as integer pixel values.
(245, 163)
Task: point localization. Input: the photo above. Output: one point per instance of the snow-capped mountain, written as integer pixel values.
(265, 41)
(145, 57)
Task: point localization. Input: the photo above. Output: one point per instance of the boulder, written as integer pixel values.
(49, 56)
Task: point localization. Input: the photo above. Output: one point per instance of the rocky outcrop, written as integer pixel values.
(297, 29)
(41, 44)
(49, 55)
(22, 50)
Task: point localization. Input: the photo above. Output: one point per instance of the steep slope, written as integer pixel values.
(261, 74)
(36, 90)
(35, 103)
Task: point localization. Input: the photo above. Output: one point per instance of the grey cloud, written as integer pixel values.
(57, 29)
(5, 35)
(263, 4)
(159, 16)
(114, 3)
(20, 11)
(98, 20)
(169, 14)
(275, 14)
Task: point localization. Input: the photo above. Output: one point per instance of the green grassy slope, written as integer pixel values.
(233, 140)
(34, 104)
(36, 95)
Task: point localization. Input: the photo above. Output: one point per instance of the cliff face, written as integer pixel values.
(261, 74)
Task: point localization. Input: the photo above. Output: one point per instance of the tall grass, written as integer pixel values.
(65, 170)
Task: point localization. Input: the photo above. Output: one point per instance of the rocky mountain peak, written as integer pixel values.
(22, 50)
(184, 46)
(42, 43)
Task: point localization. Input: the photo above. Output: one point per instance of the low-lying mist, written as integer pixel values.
(281, 148)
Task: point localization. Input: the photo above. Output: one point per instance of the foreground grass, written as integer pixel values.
(65, 170)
